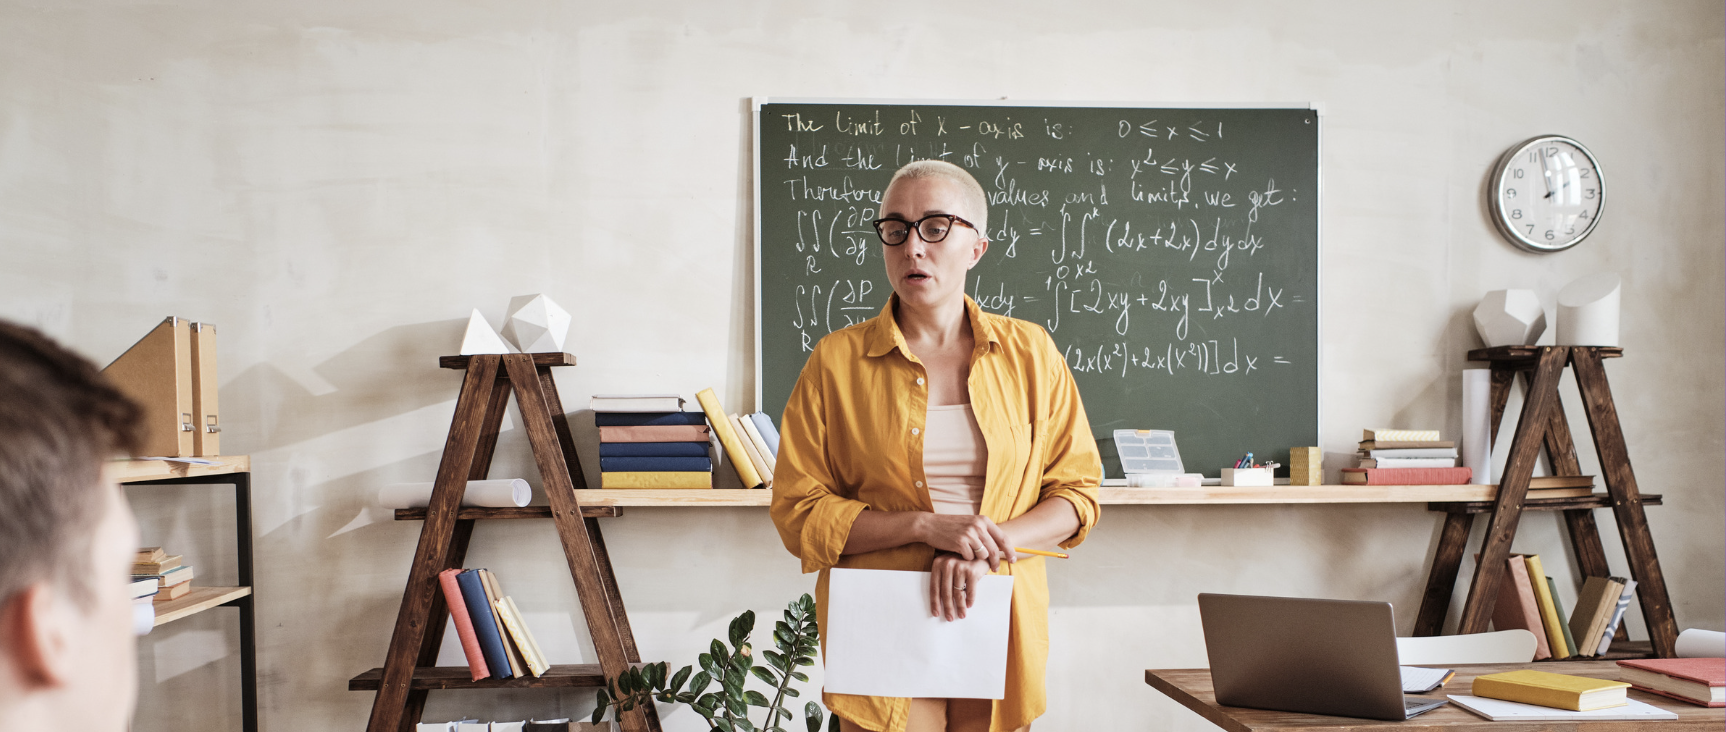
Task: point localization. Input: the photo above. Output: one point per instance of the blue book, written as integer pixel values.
(642, 419)
(655, 464)
(653, 449)
(484, 625)
(764, 425)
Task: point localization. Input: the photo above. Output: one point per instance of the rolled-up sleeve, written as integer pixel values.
(1072, 467)
(813, 521)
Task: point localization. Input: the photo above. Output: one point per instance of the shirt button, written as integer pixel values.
(919, 381)
(914, 430)
(919, 484)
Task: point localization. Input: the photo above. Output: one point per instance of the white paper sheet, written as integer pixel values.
(883, 641)
(1499, 710)
(1477, 424)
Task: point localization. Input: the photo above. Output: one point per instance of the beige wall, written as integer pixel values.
(336, 184)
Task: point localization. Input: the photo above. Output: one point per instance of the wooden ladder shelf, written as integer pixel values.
(409, 673)
(1543, 424)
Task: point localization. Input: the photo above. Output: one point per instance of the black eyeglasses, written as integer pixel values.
(933, 228)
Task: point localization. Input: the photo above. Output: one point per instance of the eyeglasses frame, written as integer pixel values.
(917, 226)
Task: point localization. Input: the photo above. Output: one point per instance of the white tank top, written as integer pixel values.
(955, 459)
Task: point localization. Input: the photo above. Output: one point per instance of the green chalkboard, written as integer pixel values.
(1172, 253)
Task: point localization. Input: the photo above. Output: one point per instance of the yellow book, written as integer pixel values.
(1548, 609)
(728, 438)
(1560, 691)
(530, 653)
(692, 479)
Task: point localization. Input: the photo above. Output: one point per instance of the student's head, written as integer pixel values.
(925, 273)
(67, 540)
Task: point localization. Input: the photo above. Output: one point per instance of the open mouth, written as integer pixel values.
(917, 275)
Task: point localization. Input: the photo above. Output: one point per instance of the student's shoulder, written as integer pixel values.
(845, 344)
(1021, 337)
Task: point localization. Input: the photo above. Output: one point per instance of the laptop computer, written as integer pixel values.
(1334, 657)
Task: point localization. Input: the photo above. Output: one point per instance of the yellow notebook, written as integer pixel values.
(1576, 693)
(727, 438)
(692, 479)
(1548, 609)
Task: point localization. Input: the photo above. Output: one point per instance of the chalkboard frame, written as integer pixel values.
(757, 103)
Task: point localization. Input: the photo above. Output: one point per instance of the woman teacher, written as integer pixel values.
(937, 437)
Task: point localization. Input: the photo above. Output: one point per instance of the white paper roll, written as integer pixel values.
(483, 493)
(1588, 311)
(1477, 424)
(1698, 643)
(143, 617)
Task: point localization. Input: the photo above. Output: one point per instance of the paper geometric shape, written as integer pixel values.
(536, 324)
(480, 338)
(1588, 311)
(1510, 318)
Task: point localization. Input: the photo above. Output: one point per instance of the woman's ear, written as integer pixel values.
(33, 639)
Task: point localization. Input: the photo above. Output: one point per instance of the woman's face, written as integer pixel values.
(926, 275)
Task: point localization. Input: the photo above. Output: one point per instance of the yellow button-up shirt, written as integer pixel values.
(852, 439)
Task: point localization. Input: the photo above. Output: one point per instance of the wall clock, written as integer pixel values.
(1547, 193)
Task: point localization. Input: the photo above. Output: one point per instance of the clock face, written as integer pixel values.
(1547, 194)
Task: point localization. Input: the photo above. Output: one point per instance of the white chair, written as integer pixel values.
(1504, 646)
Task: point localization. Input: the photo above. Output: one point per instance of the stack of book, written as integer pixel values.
(1406, 457)
(648, 441)
(493, 635)
(173, 577)
(1528, 599)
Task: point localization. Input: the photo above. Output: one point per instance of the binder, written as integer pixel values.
(157, 373)
(206, 424)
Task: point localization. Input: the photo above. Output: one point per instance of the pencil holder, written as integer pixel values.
(1248, 476)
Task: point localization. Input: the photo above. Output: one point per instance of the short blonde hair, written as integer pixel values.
(970, 191)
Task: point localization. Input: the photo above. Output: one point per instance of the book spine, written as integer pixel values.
(543, 664)
(656, 433)
(754, 436)
(463, 624)
(660, 405)
(655, 480)
(1617, 616)
(654, 449)
(644, 419)
(1532, 623)
(655, 464)
(1407, 476)
(1548, 613)
(1408, 463)
(488, 582)
(728, 438)
(1492, 688)
(1558, 608)
(755, 458)
(485, 628)
(769, 433)
(1509, 612)
(519, 635)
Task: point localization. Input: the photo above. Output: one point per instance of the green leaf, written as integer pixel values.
(800, 676)
(723, 724)
(720, 655)
(686, 698)
(733, 686)
(677, 681)
(626, 705)
(700, 682)
(737, 631)
(762, 673)
(792, 692)
(775, 660)
(745, 725)
(833, 724)
(812, 716)
(736, 706)
(755, 698)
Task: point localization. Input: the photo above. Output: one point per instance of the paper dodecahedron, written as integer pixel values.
(536, 324)
(1510, 318)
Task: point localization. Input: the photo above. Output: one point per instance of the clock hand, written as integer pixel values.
(1546, 172)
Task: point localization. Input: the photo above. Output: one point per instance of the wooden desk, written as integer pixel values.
(1192, 688)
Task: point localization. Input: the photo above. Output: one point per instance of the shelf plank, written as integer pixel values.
(509, 512)
(1112, 496)
(197, 600)
(1597, 500)
(539, 359)
(1527, 353)
(133, 471)
(563, 675)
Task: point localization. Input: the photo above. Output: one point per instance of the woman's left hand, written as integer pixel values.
(952, 584)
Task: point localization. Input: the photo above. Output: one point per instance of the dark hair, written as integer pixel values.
(60, 421)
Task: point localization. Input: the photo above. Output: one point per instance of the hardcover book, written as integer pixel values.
(656, 480)
(1406, 476)
(654, 449)
(1560, 691)
(642, 419)
(485, 628)
(655, 464)
(1700, 681)
(656, 433)
(463, 625)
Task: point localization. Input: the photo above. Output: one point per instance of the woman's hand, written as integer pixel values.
(970, 537)
(952, 584)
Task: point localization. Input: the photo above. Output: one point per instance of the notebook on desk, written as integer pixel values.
(1333, 657)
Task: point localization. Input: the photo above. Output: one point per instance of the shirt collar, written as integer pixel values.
(884, 333)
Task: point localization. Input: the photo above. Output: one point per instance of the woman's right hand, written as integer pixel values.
(971, 537)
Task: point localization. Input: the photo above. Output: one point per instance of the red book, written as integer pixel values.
(463, 624)
(1700, 681)
(1406, 476)
(655, 433)
(1515, 607)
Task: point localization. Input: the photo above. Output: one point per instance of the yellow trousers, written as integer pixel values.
(943, 715)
